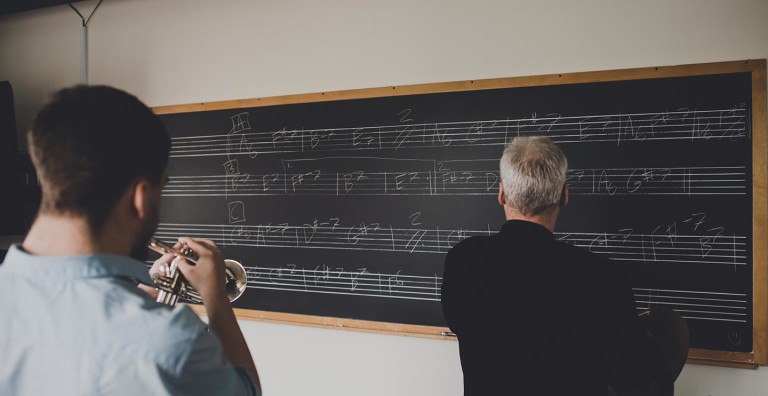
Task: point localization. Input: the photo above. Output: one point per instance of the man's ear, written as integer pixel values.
(564, 197)
(501, 198)
(142, 196)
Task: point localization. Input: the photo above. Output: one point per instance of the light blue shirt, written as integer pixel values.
(78, 325)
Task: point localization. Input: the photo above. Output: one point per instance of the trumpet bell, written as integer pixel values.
(237, 279)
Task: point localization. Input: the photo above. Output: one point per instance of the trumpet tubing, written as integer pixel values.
(174, 286)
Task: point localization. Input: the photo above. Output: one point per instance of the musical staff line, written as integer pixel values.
(681, 124)
(360, 282)
(696, 305)
(710, 180)
(711, 248)
(325, 279)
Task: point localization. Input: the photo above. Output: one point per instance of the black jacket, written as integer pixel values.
(535, 316)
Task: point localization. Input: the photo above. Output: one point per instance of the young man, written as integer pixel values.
(73, 320)
(533, 315)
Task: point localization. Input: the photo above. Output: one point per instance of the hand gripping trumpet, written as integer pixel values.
(173, 285)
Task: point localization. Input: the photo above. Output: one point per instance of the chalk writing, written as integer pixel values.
(444, 180)
(680, 124)
(667, 243)
(695, 304)
(337, 280)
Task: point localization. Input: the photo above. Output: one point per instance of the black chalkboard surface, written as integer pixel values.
(342, 205)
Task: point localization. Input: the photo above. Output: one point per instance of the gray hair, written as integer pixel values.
(532, 174)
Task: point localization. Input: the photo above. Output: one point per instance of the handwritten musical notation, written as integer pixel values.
(701, 244)
(359, 282)
(691, 239)
(325, 234)
(710, 180)
(695, 305)
(645, 248)
(692, 305)
(324, 279)
(440, 180)
(680, 124)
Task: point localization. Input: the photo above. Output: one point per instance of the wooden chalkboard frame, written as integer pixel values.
(757, 68)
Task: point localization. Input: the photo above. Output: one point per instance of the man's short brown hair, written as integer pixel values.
(89, 144)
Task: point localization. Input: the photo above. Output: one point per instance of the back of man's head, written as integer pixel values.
(89, 144)
(532, 174)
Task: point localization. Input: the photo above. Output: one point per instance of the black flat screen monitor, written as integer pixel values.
(11, 206)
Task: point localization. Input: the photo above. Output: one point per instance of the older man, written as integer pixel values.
(533, 315)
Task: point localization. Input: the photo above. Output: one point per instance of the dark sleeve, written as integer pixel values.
(450, 294)
(620, 301)
(631, 357)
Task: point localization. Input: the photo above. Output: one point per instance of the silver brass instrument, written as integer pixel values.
(173, 285)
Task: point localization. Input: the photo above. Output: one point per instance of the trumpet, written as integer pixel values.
(173, 285)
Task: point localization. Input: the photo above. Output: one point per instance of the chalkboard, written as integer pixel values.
(342, 205)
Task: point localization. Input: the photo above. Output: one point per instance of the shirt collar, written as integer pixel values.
(73, 267)
(522, 227)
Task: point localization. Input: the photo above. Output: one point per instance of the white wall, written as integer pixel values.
(181, 51)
